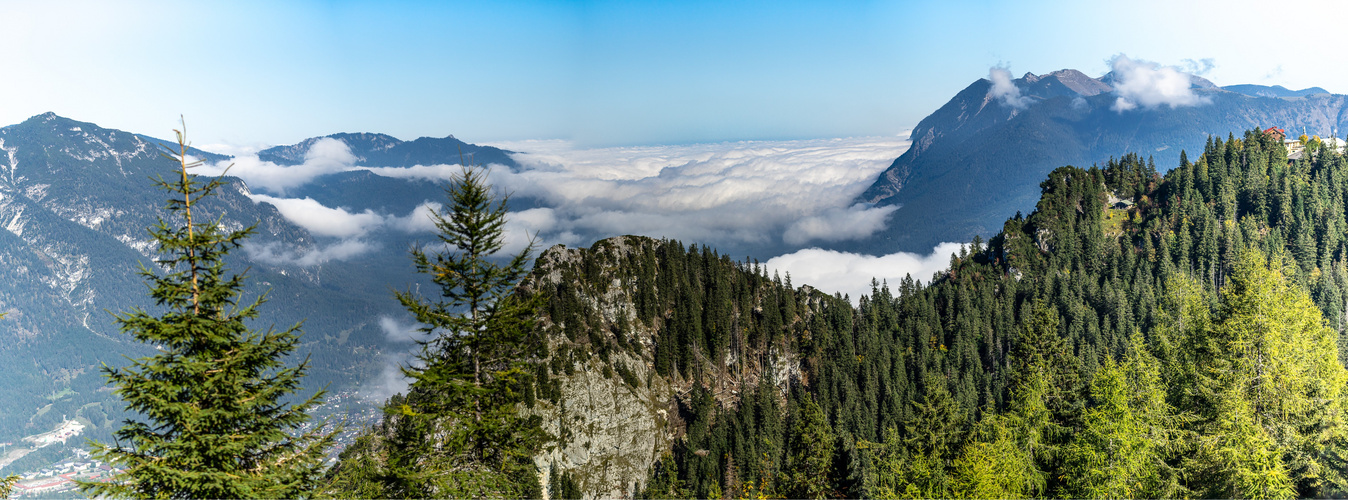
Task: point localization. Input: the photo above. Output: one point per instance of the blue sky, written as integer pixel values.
(603, 73)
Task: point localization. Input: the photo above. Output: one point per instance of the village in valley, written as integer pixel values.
(345, 409)
(55, 478)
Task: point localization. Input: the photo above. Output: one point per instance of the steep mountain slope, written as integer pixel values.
(978, 157)
(639, 333)
(75, 201)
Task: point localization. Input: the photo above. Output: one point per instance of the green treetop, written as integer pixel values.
(459, 433)
(213, 422)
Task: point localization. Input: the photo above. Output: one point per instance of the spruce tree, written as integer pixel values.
(213, 420)
(460, 432)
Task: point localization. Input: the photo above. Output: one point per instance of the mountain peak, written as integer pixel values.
(382, 150)
(45, 118)
(1080, 83)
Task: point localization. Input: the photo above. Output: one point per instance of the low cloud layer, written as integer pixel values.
(276, 253)
(747, 193)
(1148, 85)
(325, 156)
(838, 224)
(763, 197)
(322, 220)
(1005, 90)
(850, 274)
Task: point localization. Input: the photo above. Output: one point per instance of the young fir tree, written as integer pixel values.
(213, 421)
(459, 431)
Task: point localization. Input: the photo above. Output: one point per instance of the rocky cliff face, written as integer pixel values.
(615, 414)
(642, 336)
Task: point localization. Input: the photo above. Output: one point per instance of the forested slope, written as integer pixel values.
(939, 389)
(1137, 335)
(1102, 308)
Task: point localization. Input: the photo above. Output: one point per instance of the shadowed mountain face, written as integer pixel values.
(978, 158)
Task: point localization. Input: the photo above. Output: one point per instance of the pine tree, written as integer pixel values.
(1277, 385)
(1122, 450)
(460, 433)
(810, 457)
(214, 423)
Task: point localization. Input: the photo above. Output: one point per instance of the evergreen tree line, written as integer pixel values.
(1135, 336)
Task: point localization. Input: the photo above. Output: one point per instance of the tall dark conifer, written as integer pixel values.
(460, 433)
(213, 423)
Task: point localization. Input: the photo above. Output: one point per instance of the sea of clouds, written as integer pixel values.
(784, 202)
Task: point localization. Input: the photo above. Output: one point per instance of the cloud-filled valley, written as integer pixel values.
(784, 200)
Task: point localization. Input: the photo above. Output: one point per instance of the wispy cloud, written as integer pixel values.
(400, 336)
(400, 332)
(322, 220)
(838, 224)
(277, 253)
(1005, 90)
(1274, 73)
(1149, 85)
(326, 156)
(418, 221)
(1200, 67)
(850, 274)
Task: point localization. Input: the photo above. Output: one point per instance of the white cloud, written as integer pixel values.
(835, 224)
(325, 156)
(418, 221)
(401, 337)
(757, 193)
(321, 220)
(277, 253)
(400, 333)
(429, 172)
(231, 149)
(390, 379)
(1149, 85)
(1003, 88)
(850, 274)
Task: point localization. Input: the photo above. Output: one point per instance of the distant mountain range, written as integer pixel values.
(379, 150)
(75, 202)
(978, 157)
